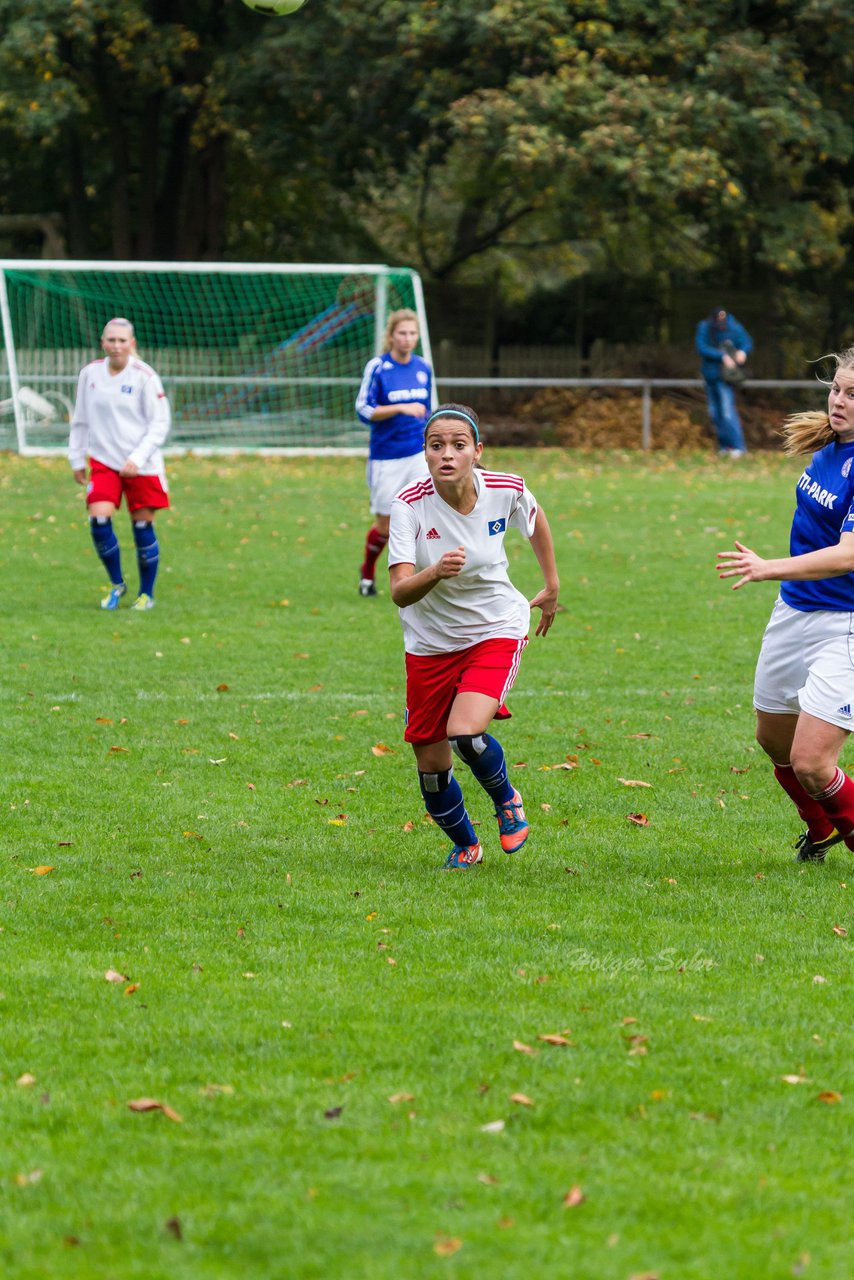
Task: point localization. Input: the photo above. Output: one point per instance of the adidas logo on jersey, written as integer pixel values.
(433, 533)
(845, 711)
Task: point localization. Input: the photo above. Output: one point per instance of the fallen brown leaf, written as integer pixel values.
(634, 782)
(556, 1039)
(521, 1100)
(113, 975)
(521, 1047)
(151, 1104)
(401, 1097)
(829, 1096)
(573, 1197)
(380, 749)
(42, 871)
(26, 1080)
(840, 931)
(445, 1246)
(639, 819)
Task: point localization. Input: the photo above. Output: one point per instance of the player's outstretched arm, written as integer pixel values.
(747, 566)
(542, 544)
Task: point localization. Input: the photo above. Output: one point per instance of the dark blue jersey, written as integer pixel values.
(385, 381)
(825, 498)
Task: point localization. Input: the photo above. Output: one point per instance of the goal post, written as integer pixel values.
(253, 356)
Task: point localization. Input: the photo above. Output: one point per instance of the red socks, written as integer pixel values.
(374, 544)
(837, 801)
(810, 808)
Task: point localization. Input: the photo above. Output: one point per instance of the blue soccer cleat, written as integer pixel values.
(112, 600)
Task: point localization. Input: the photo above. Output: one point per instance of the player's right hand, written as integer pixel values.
(415, 409)
(451, 563)
(80, 475)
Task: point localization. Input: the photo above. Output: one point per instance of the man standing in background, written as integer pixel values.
(724, 345)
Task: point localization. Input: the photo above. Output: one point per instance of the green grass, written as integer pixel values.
(239, 853)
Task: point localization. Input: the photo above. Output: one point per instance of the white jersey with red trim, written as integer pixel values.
(481, 603)
(120, 416)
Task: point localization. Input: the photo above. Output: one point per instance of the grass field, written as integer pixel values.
(349, 1041)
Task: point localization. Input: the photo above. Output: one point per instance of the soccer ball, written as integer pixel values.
(274, 8)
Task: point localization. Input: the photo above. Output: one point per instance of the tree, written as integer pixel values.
(119, 113)
(487, 140)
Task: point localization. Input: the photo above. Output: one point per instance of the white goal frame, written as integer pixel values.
(30, 403)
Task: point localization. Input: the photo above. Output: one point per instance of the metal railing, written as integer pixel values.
(50, 383)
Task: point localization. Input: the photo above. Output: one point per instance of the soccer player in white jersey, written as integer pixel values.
(804, 688)
(464, 623)
(121, 421)
(394, 401)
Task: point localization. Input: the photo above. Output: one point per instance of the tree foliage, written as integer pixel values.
(488, 139)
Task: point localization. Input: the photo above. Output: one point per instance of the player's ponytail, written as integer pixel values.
(806, 433)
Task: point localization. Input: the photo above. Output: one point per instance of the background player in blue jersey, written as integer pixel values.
(804, 689)
(394, 400)
(724, 345)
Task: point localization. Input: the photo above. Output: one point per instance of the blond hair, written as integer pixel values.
(394, 319)
(118, 320)
(808, 432)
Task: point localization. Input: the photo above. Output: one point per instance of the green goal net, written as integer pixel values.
(252, 356)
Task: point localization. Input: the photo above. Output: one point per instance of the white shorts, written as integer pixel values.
(387, 476)
(806, 663)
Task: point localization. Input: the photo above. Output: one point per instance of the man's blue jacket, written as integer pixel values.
(709, 343)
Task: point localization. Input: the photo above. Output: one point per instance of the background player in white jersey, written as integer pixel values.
(394, 400)
(464, 623)
(804, 688)
(121, 420)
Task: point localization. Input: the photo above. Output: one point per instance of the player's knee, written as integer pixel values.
(433, 783)
(468, 746)
(814, 773)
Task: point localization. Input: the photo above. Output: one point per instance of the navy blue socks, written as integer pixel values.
(147, 555)
(484, 755)
(107, 546)
(443, 800)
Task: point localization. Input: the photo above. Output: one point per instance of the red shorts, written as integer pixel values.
(106, 485)
(433, 681)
